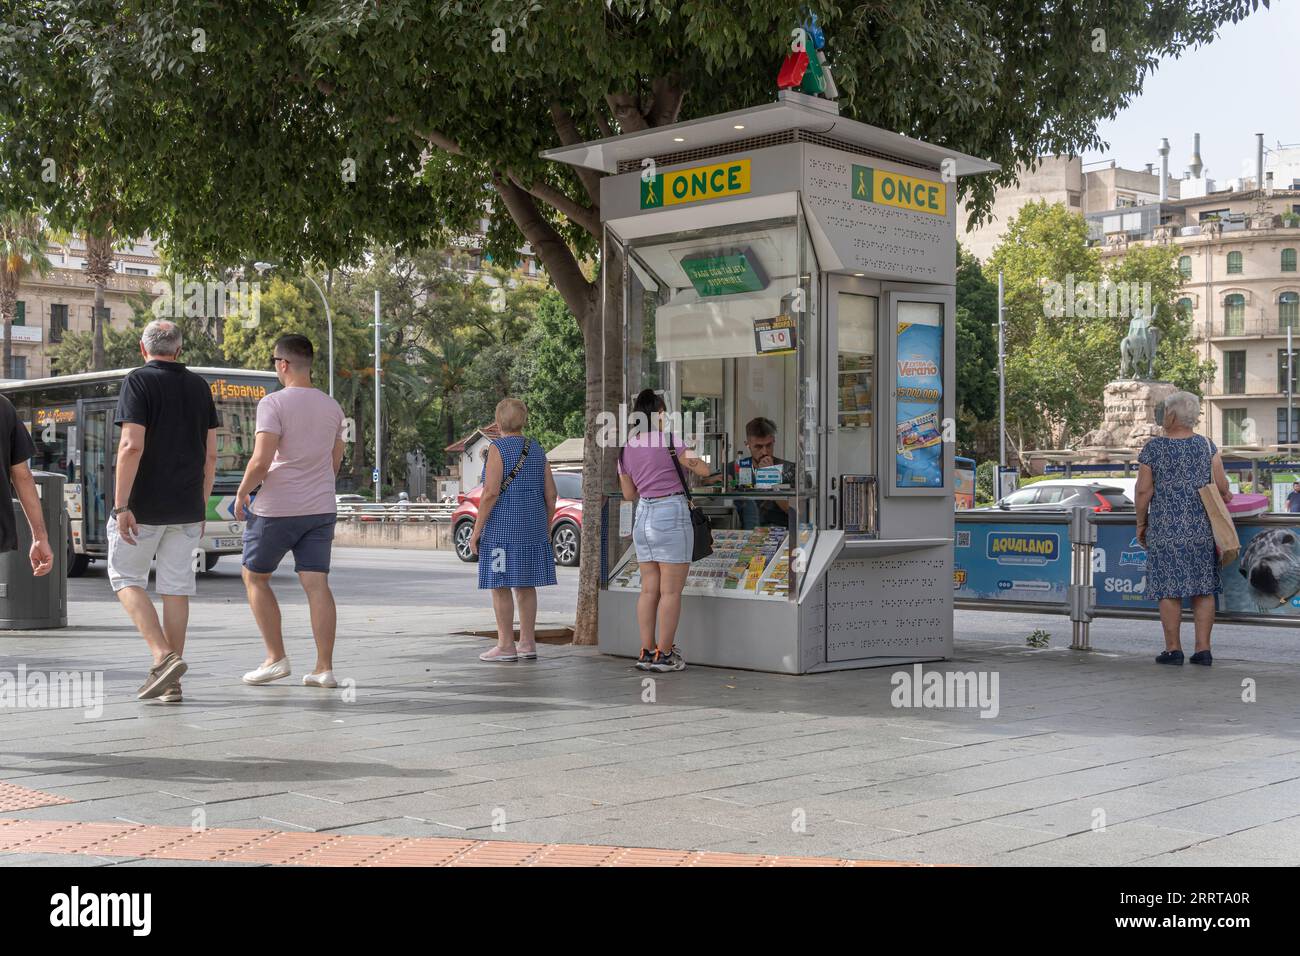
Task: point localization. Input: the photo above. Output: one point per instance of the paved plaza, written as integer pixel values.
(1092, 758)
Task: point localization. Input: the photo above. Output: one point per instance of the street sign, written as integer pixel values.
(374, 475)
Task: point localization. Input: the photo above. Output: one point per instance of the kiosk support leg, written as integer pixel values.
(1083, 536)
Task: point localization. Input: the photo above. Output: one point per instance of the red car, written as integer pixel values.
(566, 526)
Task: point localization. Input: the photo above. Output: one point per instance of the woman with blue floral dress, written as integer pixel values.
(1174, 528)
(512, 532)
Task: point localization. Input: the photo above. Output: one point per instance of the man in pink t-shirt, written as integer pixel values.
(296, 456)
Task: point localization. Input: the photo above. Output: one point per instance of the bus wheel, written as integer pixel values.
(210, 561)
(77, 565)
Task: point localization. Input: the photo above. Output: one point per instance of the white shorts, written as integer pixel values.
(172, 544)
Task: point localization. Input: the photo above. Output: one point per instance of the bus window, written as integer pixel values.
(236, 431)
(54, 432)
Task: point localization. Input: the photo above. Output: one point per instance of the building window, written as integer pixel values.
(1281, 370)
(1072, 197)
(1234, 314)
(1288, 260)
(20, 313)
(1288, 310)
(136, 272)
(19, 366)
(58, 322)
(1234, 373)
(1234, 426)
(1184, 308)
(1185, 266)
(1294, 435)
(1234, 263)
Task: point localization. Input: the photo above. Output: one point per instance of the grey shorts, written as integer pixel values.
(309, 537)
(173, 547)
(662, 530)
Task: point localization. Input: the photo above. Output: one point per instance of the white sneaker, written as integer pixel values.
(325, 679)
(264, 675)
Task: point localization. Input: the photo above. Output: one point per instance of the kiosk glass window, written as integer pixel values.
(723, 322)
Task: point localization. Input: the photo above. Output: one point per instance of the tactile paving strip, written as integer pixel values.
(276, 847)
(14, 797)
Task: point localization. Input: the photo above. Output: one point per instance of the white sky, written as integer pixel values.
(1246, 81)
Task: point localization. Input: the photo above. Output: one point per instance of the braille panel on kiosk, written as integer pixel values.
(787, 287)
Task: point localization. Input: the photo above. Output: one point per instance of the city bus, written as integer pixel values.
(71, 421)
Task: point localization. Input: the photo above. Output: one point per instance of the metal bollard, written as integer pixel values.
(1083, 535)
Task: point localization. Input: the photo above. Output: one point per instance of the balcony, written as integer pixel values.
(1251, 327)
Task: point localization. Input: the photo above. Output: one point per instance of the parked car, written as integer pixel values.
(566, 526)
(1065, 494)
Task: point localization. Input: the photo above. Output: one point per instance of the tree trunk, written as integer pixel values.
(99, 266)
(359, 439)
(604, 366)
(8, 306)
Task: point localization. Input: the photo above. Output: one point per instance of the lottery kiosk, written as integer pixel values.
(788, 286)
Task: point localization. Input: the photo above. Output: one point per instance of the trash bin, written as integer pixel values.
(27, 602)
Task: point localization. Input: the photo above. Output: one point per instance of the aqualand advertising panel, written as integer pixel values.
(1025, 563)
(1264, 579)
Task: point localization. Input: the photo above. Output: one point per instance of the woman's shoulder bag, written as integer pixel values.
(701, 530)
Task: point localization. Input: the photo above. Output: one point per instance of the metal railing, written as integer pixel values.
(395, 512)
(1254, 325)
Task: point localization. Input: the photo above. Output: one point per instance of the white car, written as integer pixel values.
(1066, 494)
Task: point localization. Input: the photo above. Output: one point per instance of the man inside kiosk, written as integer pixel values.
(760, 469)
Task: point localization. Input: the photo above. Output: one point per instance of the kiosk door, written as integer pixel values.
(852, 400)
(98, 456)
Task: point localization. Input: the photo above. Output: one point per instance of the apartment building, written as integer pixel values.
(63, 301)
(1064, 180)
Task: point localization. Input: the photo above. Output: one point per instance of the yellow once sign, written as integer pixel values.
(695, 184)
(895, 189)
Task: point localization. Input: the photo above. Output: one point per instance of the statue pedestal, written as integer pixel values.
(1129, 419)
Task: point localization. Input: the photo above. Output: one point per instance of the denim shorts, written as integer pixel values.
(309, 537)
(662, 530)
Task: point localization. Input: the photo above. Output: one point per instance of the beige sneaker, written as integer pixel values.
(161, 677)
(172, 695)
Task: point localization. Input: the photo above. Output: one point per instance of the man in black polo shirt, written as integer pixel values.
(16, 479)
(166, 463)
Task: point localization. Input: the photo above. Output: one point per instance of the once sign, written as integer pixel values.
(895, 189)
(695, 184)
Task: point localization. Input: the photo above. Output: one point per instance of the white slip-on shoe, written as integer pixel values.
(323, 679)
(264, 675)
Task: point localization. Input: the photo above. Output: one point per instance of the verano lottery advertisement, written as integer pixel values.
(919, 391)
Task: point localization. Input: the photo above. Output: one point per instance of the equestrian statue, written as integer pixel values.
(1138, 348)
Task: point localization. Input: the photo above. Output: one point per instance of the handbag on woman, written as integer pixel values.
(701, 530)
(1225, 532)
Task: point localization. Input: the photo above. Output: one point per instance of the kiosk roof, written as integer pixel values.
(790, 112)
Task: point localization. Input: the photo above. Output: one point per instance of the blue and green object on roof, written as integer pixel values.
(725, 273)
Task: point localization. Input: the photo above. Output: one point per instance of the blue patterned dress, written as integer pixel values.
(1181, 558)
(514, 550)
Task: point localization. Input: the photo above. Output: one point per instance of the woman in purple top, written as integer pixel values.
(662, 532)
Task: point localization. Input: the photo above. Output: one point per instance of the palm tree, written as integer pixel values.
(99, 266)
(22, 252)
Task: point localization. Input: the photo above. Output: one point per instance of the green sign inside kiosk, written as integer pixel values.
(725, 274)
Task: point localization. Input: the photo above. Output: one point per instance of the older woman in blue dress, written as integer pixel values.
(512, 533)
(1175, 530)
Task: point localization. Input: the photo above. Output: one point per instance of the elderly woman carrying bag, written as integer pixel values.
(1173, 526)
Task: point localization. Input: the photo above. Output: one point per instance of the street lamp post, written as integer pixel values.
(262, 267)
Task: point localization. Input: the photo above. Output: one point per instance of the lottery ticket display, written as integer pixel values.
(744, 564)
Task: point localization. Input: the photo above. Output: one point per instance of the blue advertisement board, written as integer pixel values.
(1119, 568)
(1265, 578)
(1012, 562)
(919, 391)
